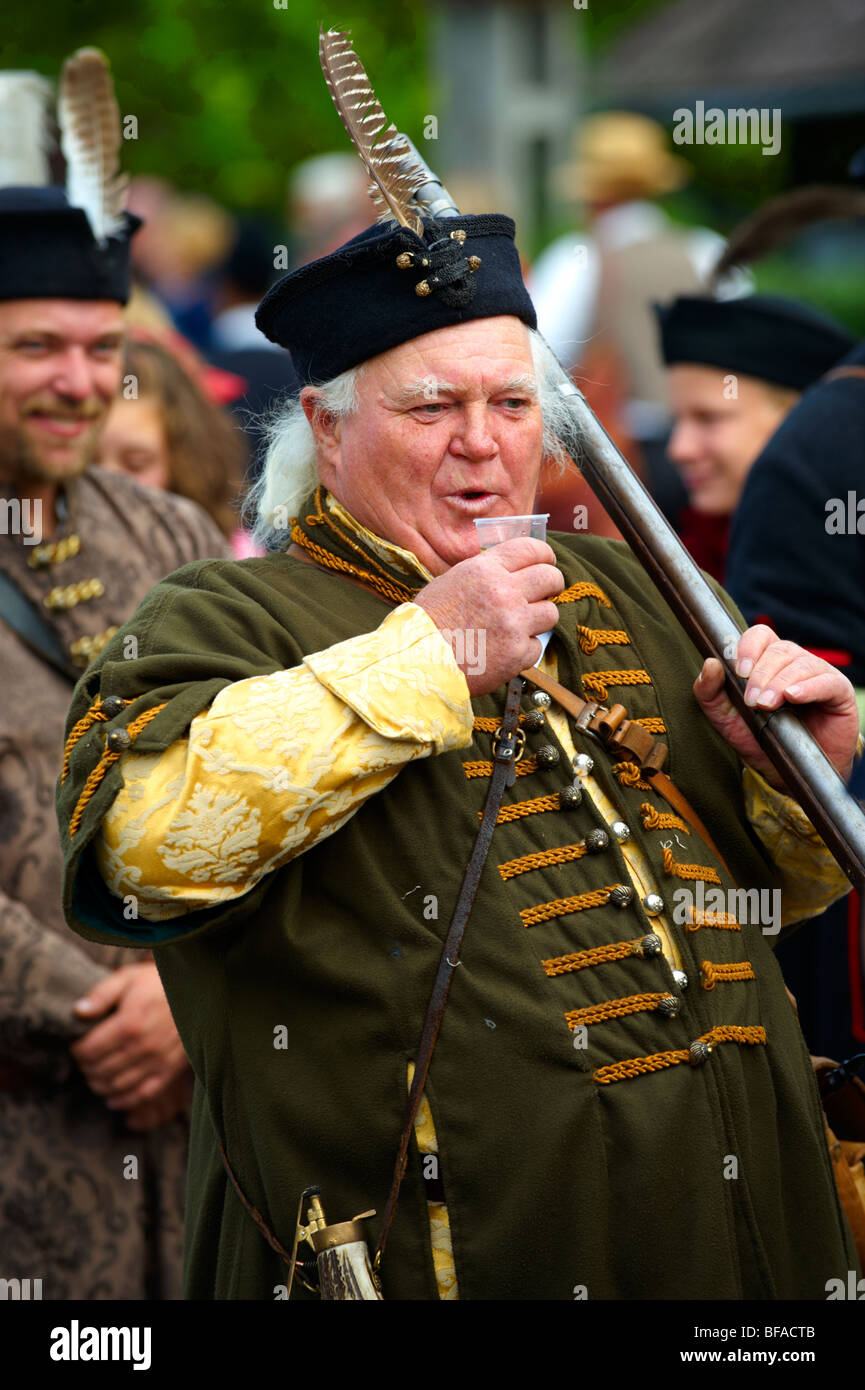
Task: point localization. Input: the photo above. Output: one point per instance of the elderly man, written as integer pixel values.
(93, 1080)
(289, 786)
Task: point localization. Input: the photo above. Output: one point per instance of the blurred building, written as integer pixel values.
(807, 59)
(507, 83)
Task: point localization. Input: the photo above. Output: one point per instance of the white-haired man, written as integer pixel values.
(293, 791)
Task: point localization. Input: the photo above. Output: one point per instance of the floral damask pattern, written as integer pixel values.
(279, 762)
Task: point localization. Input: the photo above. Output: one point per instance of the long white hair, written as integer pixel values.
(290, 470)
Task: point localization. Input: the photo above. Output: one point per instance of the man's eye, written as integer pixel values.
(515, 402)
(107, 349)
(432, 407)
(31, 344)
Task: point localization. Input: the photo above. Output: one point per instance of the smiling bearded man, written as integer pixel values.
(92, 1072)
(290, 790)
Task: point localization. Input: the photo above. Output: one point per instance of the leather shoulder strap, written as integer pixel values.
(504, 773)
(25, 620)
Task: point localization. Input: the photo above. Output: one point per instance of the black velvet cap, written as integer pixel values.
(48, 251)
(764, 336)
(357, 302)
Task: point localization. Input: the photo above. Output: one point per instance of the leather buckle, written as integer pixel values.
(517, 742)
(586, 718)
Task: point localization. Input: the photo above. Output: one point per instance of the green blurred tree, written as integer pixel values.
(228, 94)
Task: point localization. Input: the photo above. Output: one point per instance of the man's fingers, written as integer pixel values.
(751, 646)
(540, 581)
(115, 1080)
(821, 688)
(523, 551)
(710, 681)
(103, 996)
(542, 617)
(103, 1040)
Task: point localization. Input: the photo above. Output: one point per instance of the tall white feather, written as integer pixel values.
(25, 133)
(90, 139)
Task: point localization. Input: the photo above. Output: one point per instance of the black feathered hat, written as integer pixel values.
(389, 285)
(48, 250)
(56, 243)
(765, 336)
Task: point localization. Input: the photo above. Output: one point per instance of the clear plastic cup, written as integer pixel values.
(492, 530)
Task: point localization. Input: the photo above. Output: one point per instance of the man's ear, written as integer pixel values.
(326, 427)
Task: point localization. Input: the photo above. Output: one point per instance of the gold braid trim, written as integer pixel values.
(109, 756)
(488, 723)
(68, 595)
(613, 1008)
(627, 774)
(652, 724)
(701, 872)
(532, 807)
(79, 729)
(480, 768)
(596, 955)
(563, 854)
(597, 681)
(593, 637)
(560, 907)
(661, 820)
(638, 1066)
(582, 590)
(736, 970)
(85, 649)
(698, 917)
(398, 593)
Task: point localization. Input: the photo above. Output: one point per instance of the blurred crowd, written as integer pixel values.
(741, 412)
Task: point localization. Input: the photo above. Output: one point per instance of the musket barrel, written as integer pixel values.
(801, 763)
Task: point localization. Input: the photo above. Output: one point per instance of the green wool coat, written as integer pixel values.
(556, 1186)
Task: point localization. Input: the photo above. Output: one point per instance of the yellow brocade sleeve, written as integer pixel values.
(810, 879)
(279, 762)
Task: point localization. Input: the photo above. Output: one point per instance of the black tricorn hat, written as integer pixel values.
(769, 337)
(48, 250)
(389, 285)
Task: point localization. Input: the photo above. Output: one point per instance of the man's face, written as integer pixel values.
(448, 428)
(60, 368)
(722, 422)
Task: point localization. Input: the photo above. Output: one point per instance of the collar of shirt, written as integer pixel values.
(394, 555)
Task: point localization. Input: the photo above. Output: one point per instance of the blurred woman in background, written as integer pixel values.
(164, 432)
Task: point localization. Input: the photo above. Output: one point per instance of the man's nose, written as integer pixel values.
(473, 436)
(74, 376)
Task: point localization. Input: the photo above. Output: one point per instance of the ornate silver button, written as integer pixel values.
(681, 979)
(651, 945)
(668, 1006)
(583, 764)
(570, 798)
(699, 1052)
(541, 699)
(621, 895)
(596, 841)
(621, 831)
(547, 755)
(653, 904)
